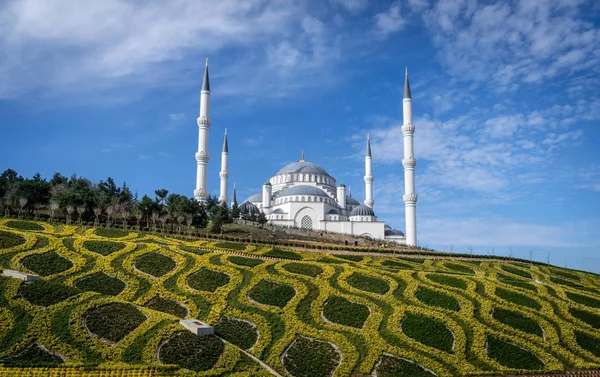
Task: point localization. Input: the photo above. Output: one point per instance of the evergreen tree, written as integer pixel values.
(262, 219)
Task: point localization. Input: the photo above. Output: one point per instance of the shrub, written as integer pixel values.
(231, 246)
(46, 293)
(191, 249)
(512, 356)
(243, 261)
(32, 356)
(587, 317)
(111, 232)
(518, 321)
(448, 280)
(283, 254)
(438, 299)
(45, 264)
(101, 283)
(24, 225)
(271, 293)
(515, 282)
(368, 283)
(339, 310)
(189, 351)
(241, 333)
(303, 269)
(517, 298)
(565, 274)
(155, 264)
(103, 247)
(428, 331)
(516, 271)
(395, 264)
(353, 258)
(8, 239)
(166, 306)
(310, 358)
(459, 268)
(584, 300)
(588, 343)
(207, 280)
(390, 366)
(68, 242)
(114, 321)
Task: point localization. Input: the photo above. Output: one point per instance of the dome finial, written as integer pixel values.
(302, 158)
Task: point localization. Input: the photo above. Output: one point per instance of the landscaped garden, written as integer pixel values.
(111, 300)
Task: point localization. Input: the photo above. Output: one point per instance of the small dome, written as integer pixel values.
(342, 185)
(279, 211)
(267, 183)
(333, 212)
(351, 201)
(302, 167)
(389, 231)
(362, 210)
(256, 198)
(302, 190)
(249, 208)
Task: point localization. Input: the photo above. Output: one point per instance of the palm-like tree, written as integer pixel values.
(97, 212)
(80, 211)
(54, 205)
(22, 204)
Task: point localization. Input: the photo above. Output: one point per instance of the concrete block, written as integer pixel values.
(197, 327)
(20, 275)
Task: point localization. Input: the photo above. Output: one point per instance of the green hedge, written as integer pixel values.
(310, 358)
(236, 331)
(441, 300)
(207, 280)
(395, 264)
(114, 321)
(111, 232)
(459, 268)
(24, 225)
(396, 367)
(516, 271)
(190, 351)
(103, 247)
(584, 300)
(155, 264)
(48, 263)
(231, 246)
(271, 293)
(32, 356)
(368, 283)
(166, 306)
(587, 317)
(8, 239)
(352, 258)
(515, 282)
(243, 261)
(46, 293)
(448, 280)
(303, 269)
(282, 254)
(588, 343)
(101, 283)
(428, 331)
(518, 321)
(339, 310)
(512, 356)
(517, 298)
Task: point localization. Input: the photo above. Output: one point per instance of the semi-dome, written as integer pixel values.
(249, 208)
(351, 201)
(302, 167)
(389, 231)
(256, 198)
(302, 190)
(362, 210)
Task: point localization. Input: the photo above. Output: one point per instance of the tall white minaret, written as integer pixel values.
(368, 175)
(409, 163)
(224, 174)
(234, 200)
(202, 156)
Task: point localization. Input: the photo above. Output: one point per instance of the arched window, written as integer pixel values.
(306, 222)
(309, 198)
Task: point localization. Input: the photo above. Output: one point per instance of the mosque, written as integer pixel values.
(303, 195)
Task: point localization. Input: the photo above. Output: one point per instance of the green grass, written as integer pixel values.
(303, 269)
(166, 306)
(395, 264)
(517, 298)
(8, 239)
(191, 249)
(441, 300)
(396, 367)
(271, 293)
(587, 317)
(368, 283)
(207, 280)
(518, 321)
(155, 264)
(231, 246)
(243, 261)
(565, 274)
(189, 351)
(24, 225)
(584, 300)
(101, 283)
(310, 358)
(236, 331)
(516, 282)
(459, 268)
(46, 264)
(512, 356)
(46, 293)
(111, 232)
(516, 271)
(68, 242)
(429, 331)
(282, 254)
(114, 321)
(103, 247)
(588, 343)
(340, 310)
(352, 258)
(32, 356)
(448, 281)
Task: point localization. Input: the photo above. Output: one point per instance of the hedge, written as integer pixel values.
(310, 358)
(114, 321)
(189, 351)
(155, 264)
(8, 239)
(46, 264)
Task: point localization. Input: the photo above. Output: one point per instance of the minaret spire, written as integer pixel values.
(224, 174)
(409, 163)
(369, 175)
(202, 156)
(234, 201)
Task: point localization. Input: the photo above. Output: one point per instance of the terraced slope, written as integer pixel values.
(104, 301)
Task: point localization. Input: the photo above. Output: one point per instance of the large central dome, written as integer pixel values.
(302, 167)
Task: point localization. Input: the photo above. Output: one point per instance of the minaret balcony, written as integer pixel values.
(408, 129)
(200, 193)
(409, 163)
(224, 174)
(204, 122)
(202, 156)
(369, 178)
(410, 198)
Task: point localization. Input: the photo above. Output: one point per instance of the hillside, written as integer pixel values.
(110, 299)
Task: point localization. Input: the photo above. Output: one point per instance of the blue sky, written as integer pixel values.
(506, 105)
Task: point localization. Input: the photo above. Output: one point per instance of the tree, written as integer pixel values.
(262, 219)
(80, 211)
(235, 211)
(161, 195)
(22, 203)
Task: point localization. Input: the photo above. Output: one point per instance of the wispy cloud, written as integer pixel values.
(389, 21)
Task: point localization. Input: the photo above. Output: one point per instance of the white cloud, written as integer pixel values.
(353, 6)
(389, 21)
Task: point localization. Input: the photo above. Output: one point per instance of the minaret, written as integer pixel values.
(234, 200)
(202, 156)
(409, 162)
(224, 174)
(368, 175)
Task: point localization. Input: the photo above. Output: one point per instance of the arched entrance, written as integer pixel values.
(306, 222)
